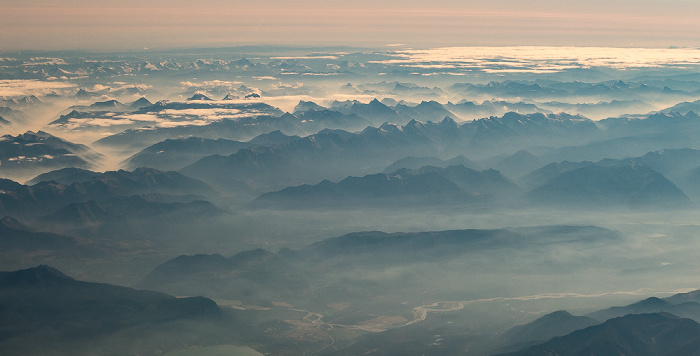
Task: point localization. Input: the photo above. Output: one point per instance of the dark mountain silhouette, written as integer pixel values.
(558, 323)
(634, 334)
(46, 312)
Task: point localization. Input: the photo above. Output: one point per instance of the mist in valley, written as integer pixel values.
(341, 201)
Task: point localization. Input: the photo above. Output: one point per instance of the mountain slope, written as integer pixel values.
(46, 312)
(632, 185)
(635, 334)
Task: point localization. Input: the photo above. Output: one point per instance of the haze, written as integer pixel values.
(189, 178)
(135, 25)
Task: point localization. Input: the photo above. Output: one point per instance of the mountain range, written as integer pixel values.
(32, 151)
(47, 312)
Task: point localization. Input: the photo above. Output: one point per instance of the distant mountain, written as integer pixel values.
(100, 106)
(452, 185)
(45, 197)
(680, 298)
(243, 121)
(256, 276)
(374, 111)
(509, 89)
(632, 185)
(635, 334)
(150, 124)
(140, 103)
(387, 248)
(658, 123)
(112, 212)
(516, 130)
(470, 110)
(332, 119)
(425, 111)
(674, 163)
(398, 188)
(31, 151)
(683, 108)
(331, 154)
(516, 164)
(304, 106)
(12, 116)
(276, 137)
(174, 154)
(46, 312)
(199, 97)
(602, 109)
(65, 176)
(319, 156)
(542, 176)
(418, 162)
(109, 105)
(486, 182)
(24, 102)
(326, 271)
(147, 180)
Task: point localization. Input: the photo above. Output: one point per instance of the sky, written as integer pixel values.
(114, 25)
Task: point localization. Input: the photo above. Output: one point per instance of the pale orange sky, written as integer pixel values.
(132, 25)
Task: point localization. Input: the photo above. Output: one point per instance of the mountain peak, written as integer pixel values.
(41, 275)
(141, 102)
(199, 96)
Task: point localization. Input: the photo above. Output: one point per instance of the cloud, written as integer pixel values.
(211, 84)
(20, 88)
(536, 59)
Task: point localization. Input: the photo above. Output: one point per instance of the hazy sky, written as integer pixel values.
(132, 24)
